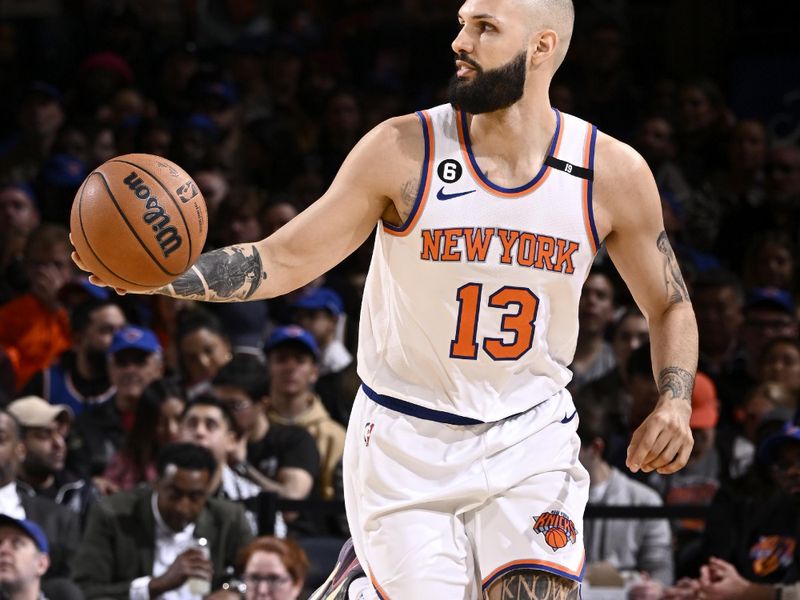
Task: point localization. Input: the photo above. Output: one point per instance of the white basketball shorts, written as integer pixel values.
(443, 511)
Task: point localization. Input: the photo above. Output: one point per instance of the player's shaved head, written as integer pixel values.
(558, 15)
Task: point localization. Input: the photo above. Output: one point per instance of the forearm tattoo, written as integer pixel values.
(224, 275)
(673, 280)
(533, 585)
(678, 382)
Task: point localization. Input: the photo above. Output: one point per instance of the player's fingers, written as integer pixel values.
(641, 442)
(662, 442)
(94, 280)
(680, 461)
(77, 260)
(665, 456)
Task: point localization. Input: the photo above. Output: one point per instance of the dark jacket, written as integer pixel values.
(59, 524)
(119, 542)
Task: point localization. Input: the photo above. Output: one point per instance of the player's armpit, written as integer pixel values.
(529, 584)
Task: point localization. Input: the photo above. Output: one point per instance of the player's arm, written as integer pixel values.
(628, 208)
(366, 188)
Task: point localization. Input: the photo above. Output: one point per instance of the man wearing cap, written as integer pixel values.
(292, 364)
(42, 473)
(320, 312)
(80, 376)
(134, 361)
(751, 539)
(60, 524)
(24, 559)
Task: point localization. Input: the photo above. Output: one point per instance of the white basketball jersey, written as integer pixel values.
(470, 312)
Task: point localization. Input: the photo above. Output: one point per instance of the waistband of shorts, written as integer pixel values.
(414, 410)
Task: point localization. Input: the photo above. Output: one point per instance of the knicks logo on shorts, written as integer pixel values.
(557, 528)
(368, 432)
(771, 553)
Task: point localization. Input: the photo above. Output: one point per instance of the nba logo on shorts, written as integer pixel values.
(368, 432)
(557, 528)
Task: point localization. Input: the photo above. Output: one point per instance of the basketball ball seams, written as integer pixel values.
(131, 227)
(174, 201)
(86, 237)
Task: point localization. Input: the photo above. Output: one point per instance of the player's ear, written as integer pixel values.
(541, 47)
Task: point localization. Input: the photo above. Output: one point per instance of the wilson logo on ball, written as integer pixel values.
(166, 234)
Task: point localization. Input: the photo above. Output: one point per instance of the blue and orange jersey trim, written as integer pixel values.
(538, 565)
(382, 595)
(484, 182)
(588, 211)
(424, 180)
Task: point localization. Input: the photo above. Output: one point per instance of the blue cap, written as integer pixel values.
(30, 528)
(83, 284)
(136, 338)
(63, 170)
(771, 297)
(321, 298)
(292, 334)
(223, 90)
(45, 89)
(768, 450)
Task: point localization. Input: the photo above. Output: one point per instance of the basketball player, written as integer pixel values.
(461, 467)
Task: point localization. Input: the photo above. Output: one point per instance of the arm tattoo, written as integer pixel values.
(408, 197)
(673, 280)
(533, 585)
(679, 382)
(224, 275)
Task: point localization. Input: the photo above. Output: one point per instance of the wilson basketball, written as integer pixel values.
(138, 221)
(555, 538)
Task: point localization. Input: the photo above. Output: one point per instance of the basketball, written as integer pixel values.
(138, 221)
(555, 538)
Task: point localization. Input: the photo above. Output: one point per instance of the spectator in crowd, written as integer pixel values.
(293, 367)
(594, 356)
(275, 215)
(780, 363)
(718, 300)
(629, 333)
(147, 542)
(752, 536)
(741, 183)
(24, 559)
(321, 313)
(763, 401)
(162, 403)
(768, 314)
(134, 362)
(273, 569)
(655, 141)
(44, 431)
(637, 545)
(214, 186)
(286, 455)
(34, 327)
(40, 116)
(203, 347)
(19, 216)
(770, 262)
(207, 422)
(59, 524)
(79, 378)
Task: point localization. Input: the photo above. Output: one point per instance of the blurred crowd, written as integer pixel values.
(139, 434)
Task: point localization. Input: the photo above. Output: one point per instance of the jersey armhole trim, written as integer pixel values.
(424, 180)
(537, 565)
(588, 210)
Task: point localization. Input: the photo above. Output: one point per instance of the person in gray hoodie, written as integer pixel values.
(641, 546)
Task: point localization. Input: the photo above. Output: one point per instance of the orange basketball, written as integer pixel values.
(138, 221)
(555, 538)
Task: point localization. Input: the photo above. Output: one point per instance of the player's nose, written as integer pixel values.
(462, 42)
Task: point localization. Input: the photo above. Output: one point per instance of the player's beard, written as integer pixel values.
(490, 90)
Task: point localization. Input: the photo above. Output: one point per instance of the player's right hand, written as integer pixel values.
(93, 279)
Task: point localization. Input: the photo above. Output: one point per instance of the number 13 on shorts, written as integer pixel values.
(520, 322)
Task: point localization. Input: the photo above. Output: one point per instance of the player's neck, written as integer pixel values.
(526, 128)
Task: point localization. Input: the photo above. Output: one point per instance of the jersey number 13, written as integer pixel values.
(520, 323)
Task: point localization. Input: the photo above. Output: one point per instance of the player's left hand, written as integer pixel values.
(663, 442)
